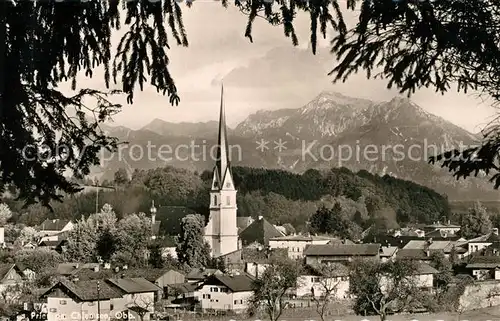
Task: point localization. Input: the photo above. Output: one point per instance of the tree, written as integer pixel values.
(334, 221)
(289, 228)
(475, 222)
(38, 260)
(142, 305)
(5, 214)
(133, 234)
(106, 245)
(381, 288)
(271, 287)
(28, 234)
(155, 256)
(121, 177)
(328, 287)
(443, 265)
(192, 249)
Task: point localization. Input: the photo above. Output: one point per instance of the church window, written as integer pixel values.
(228, 185)
(215, 199)
(228, 200)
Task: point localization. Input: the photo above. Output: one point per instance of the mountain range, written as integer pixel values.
(394, 138)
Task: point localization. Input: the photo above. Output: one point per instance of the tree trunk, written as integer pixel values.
(383, 316)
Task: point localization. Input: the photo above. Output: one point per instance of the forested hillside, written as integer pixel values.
(280, 196)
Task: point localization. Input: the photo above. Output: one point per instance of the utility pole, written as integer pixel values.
(97, 197)
(98, 301)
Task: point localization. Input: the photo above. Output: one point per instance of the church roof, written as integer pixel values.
(259, 231)
(222, 165)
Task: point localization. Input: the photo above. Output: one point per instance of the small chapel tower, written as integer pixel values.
(221, 231)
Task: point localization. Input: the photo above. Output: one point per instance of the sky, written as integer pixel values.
(269, 73)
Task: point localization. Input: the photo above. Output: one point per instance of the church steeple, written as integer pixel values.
(222, 164)
(221, 231)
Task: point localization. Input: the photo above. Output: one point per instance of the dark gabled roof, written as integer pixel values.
(342, 250)
(401, 241)
(251, 255)
(184, 287)
(53, 225)
(66, 268)
(74, 268)
(201, 273)
(414, 254)
(235, 283)
(86, 290)
(149, 274)
(259, 231)
(424, 268)
(334, 270)
(487, 238)
(134, 285)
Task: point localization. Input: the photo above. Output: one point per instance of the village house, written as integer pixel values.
(484, 267)
(260, 231)
(54, 226)
(295, 244)
(199, 275)
(258, 260)
(479, 243)
(313, 282)
(317, 254)
(226, 293)
(10, 275)
(446, 228)
(137, 296)
(27, 273)
(429, 246)
(425, 276)
(78, 301)
(244, 259)
(72, 269)
(160, 277)
(388, 253)
(182, 295)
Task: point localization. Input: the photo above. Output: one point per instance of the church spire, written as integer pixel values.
(222, 161)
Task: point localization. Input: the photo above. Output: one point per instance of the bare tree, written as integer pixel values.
(142, 305)
(329, 281)
(272, 286)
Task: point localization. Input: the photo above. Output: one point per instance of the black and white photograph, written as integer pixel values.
(249, 160)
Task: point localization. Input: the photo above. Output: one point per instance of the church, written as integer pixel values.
(221, 231)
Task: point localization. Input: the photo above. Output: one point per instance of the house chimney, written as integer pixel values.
(427, 253)
(449, 223)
